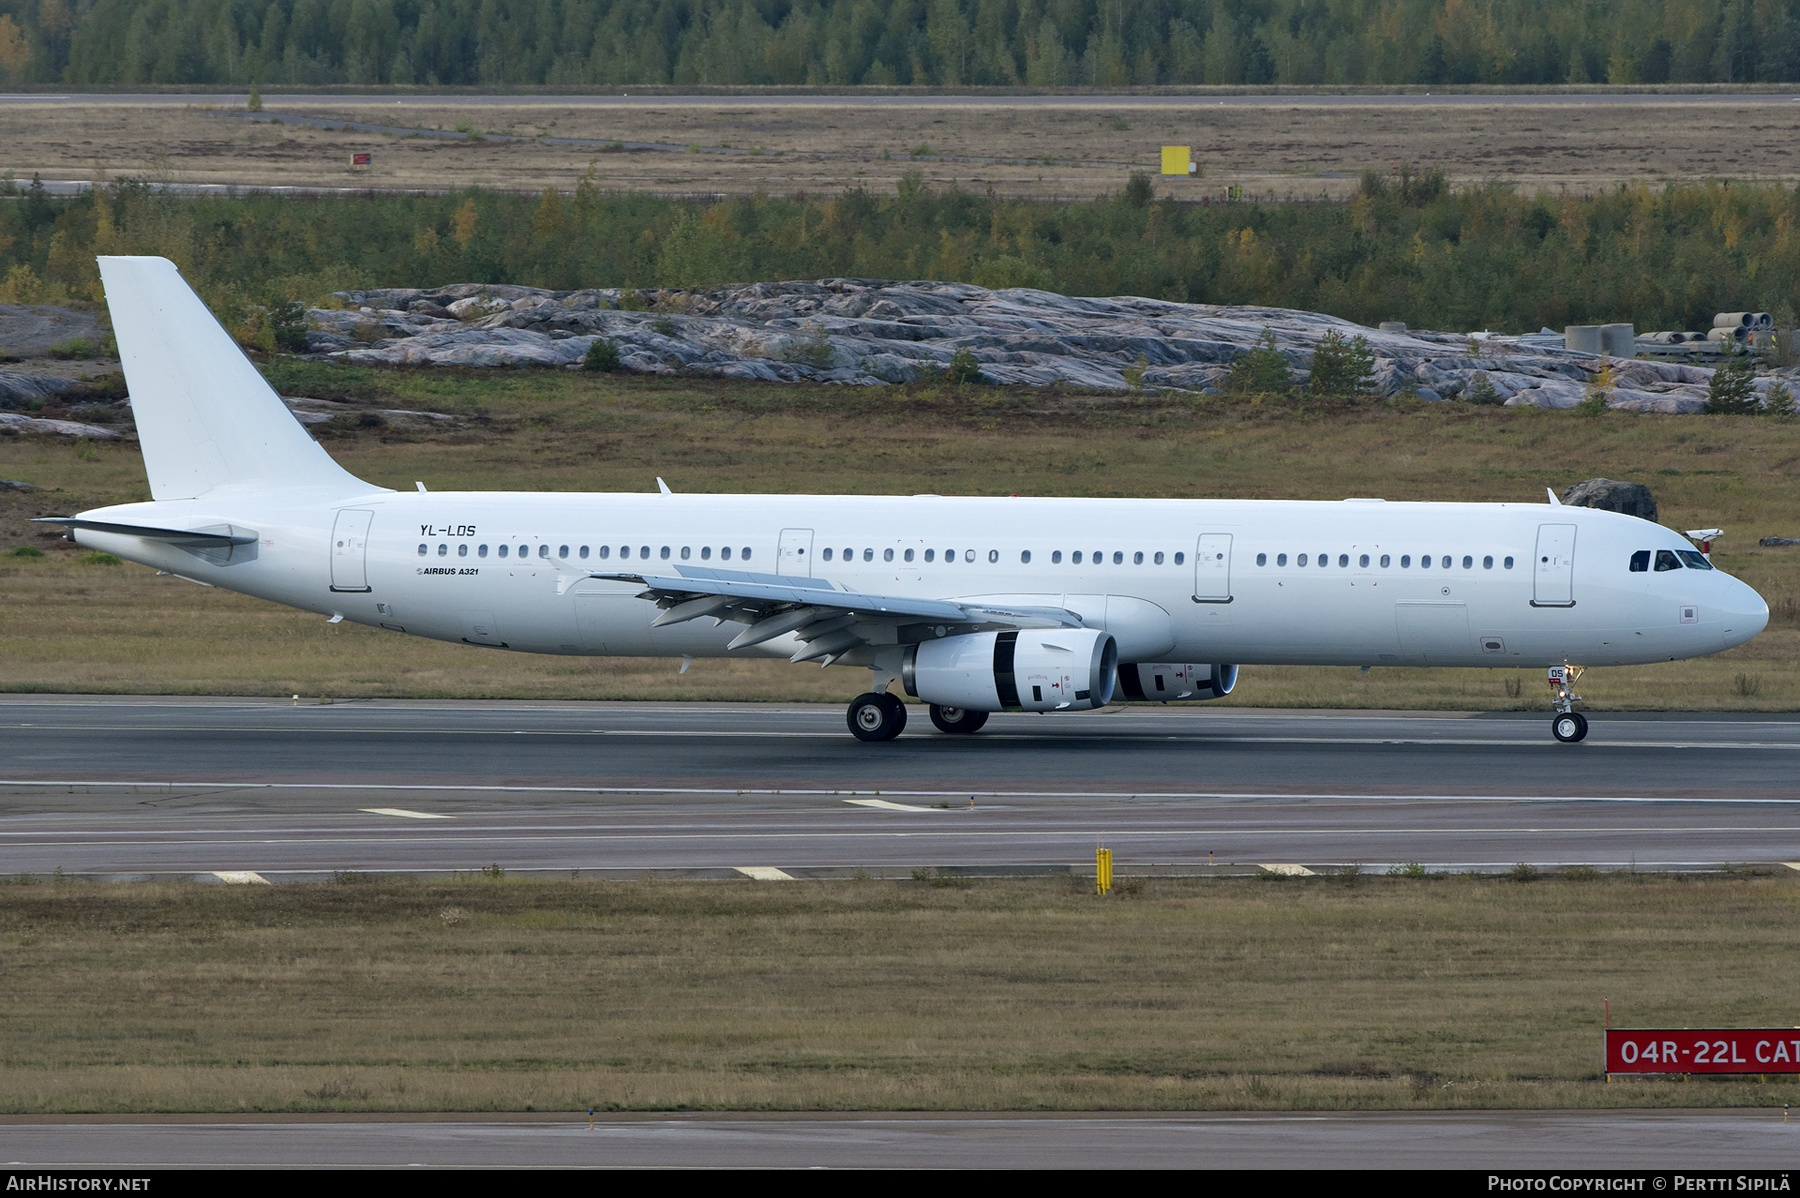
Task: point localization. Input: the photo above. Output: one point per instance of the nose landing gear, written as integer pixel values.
(1567, 725)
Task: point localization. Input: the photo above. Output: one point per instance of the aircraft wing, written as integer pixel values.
(828, 620)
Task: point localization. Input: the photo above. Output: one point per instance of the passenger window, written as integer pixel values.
(544, 551)
(1695, 559)
(930, 554)
(421, 550)
(909, 555)
(1118, 558)
(584, 553)
(887, 555)
(644, 552)
(1445, 561)
(1324, 560)
(462, 551)
(563, 552)
(1180, 557)
(481, 551)
(1640, 561)
(1405, 561)
(745, 555)
(1344, 561)
(706, 553)
(968, 555)
(1075, 557)
(443, 550)
(1425, 562)
(502, 550)
(849, 555)
(827, 554)
(868, 555)
(725, 553)
(1385, 559)
(1468, 563)
(1301, 560)
(605, 552)
(993, 556)
(1056, 558)
(1363, 561)
(1262, 559)
(1281, 559)
(949, 556)
(1159, 557)
(1137, 559)
(1025, 556)
(1507, 563)
(1487, 563)
(685, 552)
(665, 553)
(1666, 561)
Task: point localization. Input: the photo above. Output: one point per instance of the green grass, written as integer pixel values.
(80, 629)
(1440, 993)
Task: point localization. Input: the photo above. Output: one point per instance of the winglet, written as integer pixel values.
(662, 486)
(1554, 501)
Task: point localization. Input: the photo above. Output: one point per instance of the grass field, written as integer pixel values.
(69, 625)
(1326, 993)
(1076, 150)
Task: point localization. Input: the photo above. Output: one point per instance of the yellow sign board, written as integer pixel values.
(1175, 160)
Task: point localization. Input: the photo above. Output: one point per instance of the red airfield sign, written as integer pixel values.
(1703, 1050)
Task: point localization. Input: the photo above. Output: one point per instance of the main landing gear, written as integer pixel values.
(957, 719)
(876, 716)
(1567, 725)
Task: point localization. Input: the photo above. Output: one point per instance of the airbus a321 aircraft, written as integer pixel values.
(972, 605)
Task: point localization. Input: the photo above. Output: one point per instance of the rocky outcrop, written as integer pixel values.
(1633, 499)
(17, 423)
(871, 331)
(19, 390)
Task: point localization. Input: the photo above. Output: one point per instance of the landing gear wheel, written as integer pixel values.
(957, 719)
(876, 717)
(1569, 727)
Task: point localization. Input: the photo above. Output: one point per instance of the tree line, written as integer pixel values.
(1406, 247)
(898, 42)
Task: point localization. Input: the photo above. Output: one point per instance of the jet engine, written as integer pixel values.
(1059, 669)
(1141, 682)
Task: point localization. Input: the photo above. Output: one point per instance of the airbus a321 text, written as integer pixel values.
(972, 605)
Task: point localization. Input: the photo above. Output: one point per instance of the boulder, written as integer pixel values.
(1631, 499)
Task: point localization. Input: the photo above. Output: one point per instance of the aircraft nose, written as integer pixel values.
(1746, 613)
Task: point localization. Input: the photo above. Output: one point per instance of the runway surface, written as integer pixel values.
(1728, 1140)
(274, 100)
(104, 787)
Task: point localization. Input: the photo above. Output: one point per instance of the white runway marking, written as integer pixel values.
(240, 877)
(764, 873)
(403, 813)
(884, 805)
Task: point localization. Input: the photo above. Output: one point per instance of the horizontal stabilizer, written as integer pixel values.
(217, 536)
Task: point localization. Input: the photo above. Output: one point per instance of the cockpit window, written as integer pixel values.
(1666, 560)
(1695, 559)
(1640, 561)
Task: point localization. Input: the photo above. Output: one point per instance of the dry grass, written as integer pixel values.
(69, 626)
(1439, 993)
(1271, 145)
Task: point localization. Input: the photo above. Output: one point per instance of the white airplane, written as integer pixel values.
(973, 605)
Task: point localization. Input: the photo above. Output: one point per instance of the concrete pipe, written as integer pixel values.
(1726, 320)
(1764, 320)
(1584, 338)
(1737, 333)
(1618, 340)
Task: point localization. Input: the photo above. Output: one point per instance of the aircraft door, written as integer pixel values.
(1212, 568)
(795, 558)
(349, 551)
(1553, 569)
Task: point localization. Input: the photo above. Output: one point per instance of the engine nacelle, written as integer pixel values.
(1141, 682)
(1055, 669)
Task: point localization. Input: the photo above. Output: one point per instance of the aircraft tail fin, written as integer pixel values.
(205, 416)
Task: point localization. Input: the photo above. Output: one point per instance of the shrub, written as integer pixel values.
(603, 354)
(1260, 371)
(1139, 190)
(964, 368)
(287, 319)
(1732, 391)
(664, 326)
(26, 551)
(99, 559)
(814, 350)
(1342, 369)
(1134, 374)
(1523, 872)
(1484, 393)
(1412, 869)
(75, 347)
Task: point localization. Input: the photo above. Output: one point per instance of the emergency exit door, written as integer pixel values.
(795, 559)
(1553, 568)
(350, 550)
(1212, 568)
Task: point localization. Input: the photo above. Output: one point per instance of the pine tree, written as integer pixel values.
(1732, 391)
